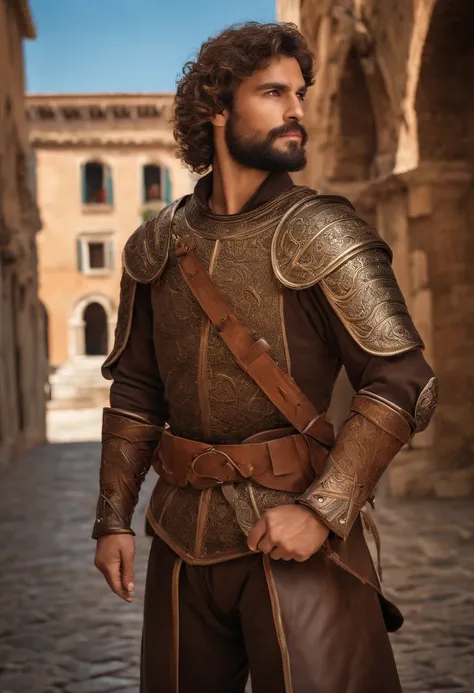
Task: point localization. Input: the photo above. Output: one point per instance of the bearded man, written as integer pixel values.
(239, 305)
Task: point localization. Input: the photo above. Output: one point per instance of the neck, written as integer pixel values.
(232, 186)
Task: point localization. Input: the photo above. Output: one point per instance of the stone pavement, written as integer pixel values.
(61, 629)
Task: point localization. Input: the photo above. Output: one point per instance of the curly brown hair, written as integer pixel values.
(223, 62)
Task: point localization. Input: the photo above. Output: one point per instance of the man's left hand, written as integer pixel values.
(290, 532)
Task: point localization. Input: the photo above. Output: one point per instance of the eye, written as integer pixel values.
(273, 92)
(302, 96)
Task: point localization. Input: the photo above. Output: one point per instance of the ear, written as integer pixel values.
(219, 120)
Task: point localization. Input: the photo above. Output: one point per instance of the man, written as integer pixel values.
(259, 560)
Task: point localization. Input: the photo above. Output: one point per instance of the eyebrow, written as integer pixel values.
(278, 85)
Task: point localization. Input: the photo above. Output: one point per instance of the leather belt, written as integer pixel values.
(276, 459)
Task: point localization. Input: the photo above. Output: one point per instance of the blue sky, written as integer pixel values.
(124, 45)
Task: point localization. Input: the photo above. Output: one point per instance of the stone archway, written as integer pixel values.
(443, 216)
(95, 330)
(92, 326)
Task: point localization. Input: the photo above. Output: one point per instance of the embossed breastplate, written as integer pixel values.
(210, 397)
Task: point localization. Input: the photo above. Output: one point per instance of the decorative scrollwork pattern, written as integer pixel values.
(426, 404)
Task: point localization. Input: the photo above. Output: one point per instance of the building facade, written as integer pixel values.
(391, 124)
(22, 358)
(104, 163)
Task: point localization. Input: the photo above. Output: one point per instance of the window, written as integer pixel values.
(152, 183)
(96, 184)
(156, 184)
(95, 253)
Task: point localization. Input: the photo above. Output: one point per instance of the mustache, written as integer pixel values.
(289, 129)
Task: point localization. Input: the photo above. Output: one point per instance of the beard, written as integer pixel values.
(258, 152)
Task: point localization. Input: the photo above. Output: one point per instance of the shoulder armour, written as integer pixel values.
(315, 237)
(323, 241)
(146, 252)
(144, 259)
(128, 287)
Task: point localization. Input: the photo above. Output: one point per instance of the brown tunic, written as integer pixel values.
(294, 623)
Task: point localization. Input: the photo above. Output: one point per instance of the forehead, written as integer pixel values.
(281, 69)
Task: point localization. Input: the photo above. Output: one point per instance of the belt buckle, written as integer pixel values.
(229, 461)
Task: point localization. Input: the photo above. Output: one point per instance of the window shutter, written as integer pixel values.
(110, 255)
(83, 184)
(79, 258)
(143, 185)
(167, 182)
(109, 192)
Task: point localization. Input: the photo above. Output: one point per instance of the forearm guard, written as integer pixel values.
(369, 439)
(128, 443)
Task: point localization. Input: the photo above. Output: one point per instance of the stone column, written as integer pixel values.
(392, 225)
(76, 341)
(442, 229)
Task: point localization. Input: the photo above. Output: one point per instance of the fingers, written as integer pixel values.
(266, 545)
(276, 554)
(113, 576)
(114, 558)
(256, 534)
(127, 570)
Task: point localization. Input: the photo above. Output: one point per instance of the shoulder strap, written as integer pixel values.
(250, 354)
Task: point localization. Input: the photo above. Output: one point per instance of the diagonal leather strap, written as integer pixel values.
(250, 354)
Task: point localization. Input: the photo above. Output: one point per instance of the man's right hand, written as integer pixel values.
(114, 557)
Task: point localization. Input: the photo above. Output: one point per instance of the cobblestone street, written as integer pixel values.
(62, 630)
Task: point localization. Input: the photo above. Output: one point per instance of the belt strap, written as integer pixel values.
(251, 354)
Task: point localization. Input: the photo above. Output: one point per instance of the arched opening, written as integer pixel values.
(354, 133)
(96, 183)
(152, 187)
(444, 99)
(95, 330)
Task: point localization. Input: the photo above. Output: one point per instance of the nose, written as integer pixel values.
(295, 110)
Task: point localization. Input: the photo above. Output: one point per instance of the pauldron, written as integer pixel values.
(144, 258)
(322, 241)
(146, 252)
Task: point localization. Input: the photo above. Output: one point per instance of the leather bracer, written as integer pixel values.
(369, 439)
(128, 443)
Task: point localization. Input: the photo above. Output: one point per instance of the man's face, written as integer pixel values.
(264, 129)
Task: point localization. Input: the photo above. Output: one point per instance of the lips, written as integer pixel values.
(292, 136)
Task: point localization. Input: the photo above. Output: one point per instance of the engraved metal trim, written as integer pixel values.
(146, 251)
(426, 404)
(365, 295)
(315, 237)
(237, 226)
(410, 420)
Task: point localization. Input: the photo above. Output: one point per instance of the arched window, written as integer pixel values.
(156, 184)
(95, 329)
(96, 183)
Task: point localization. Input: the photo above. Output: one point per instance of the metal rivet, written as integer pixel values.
(320, 500)
(342, 522)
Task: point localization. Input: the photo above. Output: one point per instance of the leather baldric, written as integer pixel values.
(250, 354)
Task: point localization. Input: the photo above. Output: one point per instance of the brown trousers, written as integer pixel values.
(298, 627)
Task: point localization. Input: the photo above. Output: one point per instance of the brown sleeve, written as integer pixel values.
(137, 385)
(399, 379)
(374, 431)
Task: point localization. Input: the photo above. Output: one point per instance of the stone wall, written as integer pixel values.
(391, 125)
(23, 370)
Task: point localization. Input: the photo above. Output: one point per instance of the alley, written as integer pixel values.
(61, 629)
